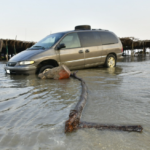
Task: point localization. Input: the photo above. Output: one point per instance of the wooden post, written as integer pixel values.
(6, 51)
(1, 46)
(14, 45)
(144, 48)
(132, 51)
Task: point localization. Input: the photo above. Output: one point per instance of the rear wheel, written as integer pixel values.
(45, 68)
(110, 61)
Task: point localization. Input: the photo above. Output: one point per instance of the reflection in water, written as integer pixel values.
(136, 58)
(33, 111)
(114, 71)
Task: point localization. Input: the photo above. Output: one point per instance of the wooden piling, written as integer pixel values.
(6, 50)
(132, 51)
(1, 44)
(15, 46)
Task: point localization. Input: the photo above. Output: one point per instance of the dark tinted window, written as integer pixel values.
(108, 38)
(71, 41)
(89, 39)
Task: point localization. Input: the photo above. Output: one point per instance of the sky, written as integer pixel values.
(32, 20)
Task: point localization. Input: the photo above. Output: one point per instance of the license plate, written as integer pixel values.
(8, 71)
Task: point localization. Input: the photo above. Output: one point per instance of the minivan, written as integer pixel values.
(80, 48)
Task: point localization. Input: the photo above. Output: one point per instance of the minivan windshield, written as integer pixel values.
(47, 42)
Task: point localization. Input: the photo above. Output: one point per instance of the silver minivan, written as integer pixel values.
(80, 48)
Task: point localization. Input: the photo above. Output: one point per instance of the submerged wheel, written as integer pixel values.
(110, 61)
(45, 68)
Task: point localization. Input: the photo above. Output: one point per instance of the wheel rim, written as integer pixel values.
(46, 70)
(111, 62)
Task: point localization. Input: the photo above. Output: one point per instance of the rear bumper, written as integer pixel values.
(28, 69)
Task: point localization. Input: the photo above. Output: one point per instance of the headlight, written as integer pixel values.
(26, 62)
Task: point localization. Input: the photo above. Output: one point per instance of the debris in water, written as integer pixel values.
(73, 123)
(74, 117)
(136, 128)
(57, 73)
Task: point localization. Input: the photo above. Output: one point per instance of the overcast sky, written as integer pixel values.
(31, 20)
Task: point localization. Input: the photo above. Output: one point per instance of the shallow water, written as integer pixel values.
(33, 111)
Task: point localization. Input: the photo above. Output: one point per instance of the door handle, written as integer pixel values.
(87, 51)
(80, 51)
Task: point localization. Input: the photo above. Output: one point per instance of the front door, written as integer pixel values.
(72, 55)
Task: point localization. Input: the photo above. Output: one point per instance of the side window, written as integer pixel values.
(108, 38)
(89, 39)
(71, 41)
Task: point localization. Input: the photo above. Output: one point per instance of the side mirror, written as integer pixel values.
(60, 46)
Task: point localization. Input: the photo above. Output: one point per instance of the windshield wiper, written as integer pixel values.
(40, 46)
(36, 47)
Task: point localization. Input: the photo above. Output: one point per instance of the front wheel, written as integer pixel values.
(45, 68)
(110, 61)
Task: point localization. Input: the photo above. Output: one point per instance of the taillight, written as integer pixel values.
(122, 49)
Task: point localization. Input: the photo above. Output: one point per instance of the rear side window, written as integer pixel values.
(108, 38)
(89, 39)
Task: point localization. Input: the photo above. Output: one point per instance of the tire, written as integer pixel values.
(45, 68)
(110, 61)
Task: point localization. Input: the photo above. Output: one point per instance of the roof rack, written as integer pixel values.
(83, 27)
(96, 29)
